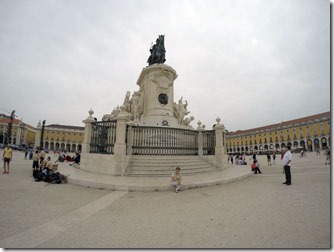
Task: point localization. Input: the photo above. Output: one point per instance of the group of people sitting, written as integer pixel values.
(240, 159)
(76, 159)
(44, 169)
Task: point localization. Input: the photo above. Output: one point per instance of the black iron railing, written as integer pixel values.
(209, 142)
(162, 141)
(103, 137)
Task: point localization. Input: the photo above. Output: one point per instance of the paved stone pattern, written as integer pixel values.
(255, 212)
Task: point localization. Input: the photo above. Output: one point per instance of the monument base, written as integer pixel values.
(159, 121)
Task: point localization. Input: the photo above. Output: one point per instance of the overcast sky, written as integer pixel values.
(250, 62)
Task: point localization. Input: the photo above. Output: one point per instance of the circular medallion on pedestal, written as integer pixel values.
(163, 98)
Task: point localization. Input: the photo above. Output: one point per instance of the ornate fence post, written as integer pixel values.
(220, 148)
(120, 145)
(88, 132)
(130, 139)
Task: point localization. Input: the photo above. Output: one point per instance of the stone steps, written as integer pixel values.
(163, 166)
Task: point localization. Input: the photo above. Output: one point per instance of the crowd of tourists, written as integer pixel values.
(46, 170)
(43, 168)
(286, 157)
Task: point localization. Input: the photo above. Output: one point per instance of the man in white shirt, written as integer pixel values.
(286, 162)
(176, 179)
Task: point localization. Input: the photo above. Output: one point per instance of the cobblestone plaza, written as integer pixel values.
(255, 212)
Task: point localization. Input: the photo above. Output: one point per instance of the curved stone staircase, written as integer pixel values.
(163, 166)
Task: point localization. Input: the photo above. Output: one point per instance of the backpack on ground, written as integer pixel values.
(54, 178)
(63, 178)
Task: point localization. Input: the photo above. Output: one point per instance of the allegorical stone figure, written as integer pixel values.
(157, 51)
(126, 103)
(135, 109)
(181, 110)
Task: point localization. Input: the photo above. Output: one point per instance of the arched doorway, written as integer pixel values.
(57, 146)
(261, 149)
(46, 145)
(316, 144)
(276, 146)
(323, 143)
(62, 147)
(68, 146)
(266, 147)
(283, 145)
(295, 144)
(302, 144)
(309, 145)
(74, 148)
(52, 146)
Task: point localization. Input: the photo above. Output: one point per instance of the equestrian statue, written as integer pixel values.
(157, 51)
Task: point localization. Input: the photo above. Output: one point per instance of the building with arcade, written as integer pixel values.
(309, 133)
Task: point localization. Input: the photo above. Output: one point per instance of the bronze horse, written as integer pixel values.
(157, 51)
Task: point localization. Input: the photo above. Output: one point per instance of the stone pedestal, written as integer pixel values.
(120, 145)
(88, 132)
(200, 143)
(220, 148)
(157, 95)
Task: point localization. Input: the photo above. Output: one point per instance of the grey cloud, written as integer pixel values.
(234, 58)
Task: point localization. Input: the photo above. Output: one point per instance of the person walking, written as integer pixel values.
(269, 159)
(274, 158)
(328, 155)
(286, 162)
(7, 157)
(254, 157)
(176, 179)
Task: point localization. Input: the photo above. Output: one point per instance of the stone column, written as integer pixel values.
(88, 132)
(38, 134)
(120, 145)
(220, 148)
(18, 134)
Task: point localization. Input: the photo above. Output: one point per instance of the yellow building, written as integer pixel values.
(309, 133)
(22, 133)
(58, 137)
